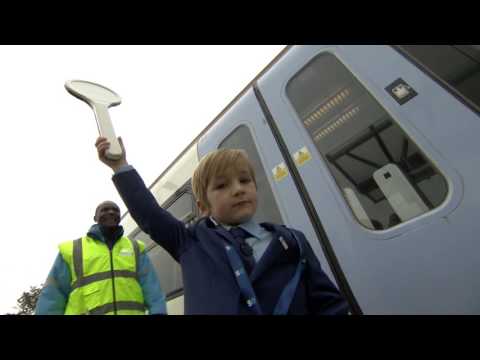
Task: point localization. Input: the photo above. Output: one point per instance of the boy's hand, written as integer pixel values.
(102, 145)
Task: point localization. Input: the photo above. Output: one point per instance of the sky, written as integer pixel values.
(52, 179)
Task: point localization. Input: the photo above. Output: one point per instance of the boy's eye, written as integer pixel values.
(219, 186)
(245, 180)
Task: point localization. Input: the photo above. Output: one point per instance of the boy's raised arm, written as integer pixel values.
(162, 227)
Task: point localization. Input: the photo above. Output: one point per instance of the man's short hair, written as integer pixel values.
(103, 203)
(215, 163)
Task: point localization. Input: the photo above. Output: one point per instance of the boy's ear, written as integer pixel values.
(204, 211)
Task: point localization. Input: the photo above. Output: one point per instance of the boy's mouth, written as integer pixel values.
(241, 203)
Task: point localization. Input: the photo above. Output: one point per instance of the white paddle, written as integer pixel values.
(100, 99)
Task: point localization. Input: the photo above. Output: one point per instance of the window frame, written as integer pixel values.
(444, 171)
(444, 84)
(186, 188)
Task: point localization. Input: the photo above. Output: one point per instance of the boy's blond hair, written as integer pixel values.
(213, 164)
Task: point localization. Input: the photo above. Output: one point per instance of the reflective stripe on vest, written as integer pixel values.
(92, 276)
(85, 280)
(121, 305)
(78, 256)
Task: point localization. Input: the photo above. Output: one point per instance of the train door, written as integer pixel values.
(244, 126)
(386, 157)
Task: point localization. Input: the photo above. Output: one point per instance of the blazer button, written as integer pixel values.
(284, 243)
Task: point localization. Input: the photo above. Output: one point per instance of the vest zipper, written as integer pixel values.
(113, 284)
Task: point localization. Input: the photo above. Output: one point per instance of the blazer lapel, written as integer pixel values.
(271, 253)
(214, 245)
(216, 248)
(276, 252)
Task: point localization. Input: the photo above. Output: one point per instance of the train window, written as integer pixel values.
(168, 270)
(382, 174)
(457, 65)
(267, 209)
(181, 205)
(182, 208)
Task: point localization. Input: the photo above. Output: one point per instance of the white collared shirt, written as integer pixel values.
(260, 240)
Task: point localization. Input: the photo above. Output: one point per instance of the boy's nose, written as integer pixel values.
(238, 188)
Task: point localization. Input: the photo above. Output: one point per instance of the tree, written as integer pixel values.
(27, 302)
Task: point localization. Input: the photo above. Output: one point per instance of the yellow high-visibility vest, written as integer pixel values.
(104, 282)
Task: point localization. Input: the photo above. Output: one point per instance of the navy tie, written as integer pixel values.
(246, 251)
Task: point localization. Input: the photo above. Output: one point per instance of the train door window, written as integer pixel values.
(382, 174)
(457, 65)
(182, 205)
(267, 208)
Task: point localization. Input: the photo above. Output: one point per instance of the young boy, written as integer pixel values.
(230, 264)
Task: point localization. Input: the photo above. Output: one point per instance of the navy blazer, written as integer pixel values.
(209, 284)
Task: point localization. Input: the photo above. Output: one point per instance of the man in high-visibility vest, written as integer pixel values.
(102, 273)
